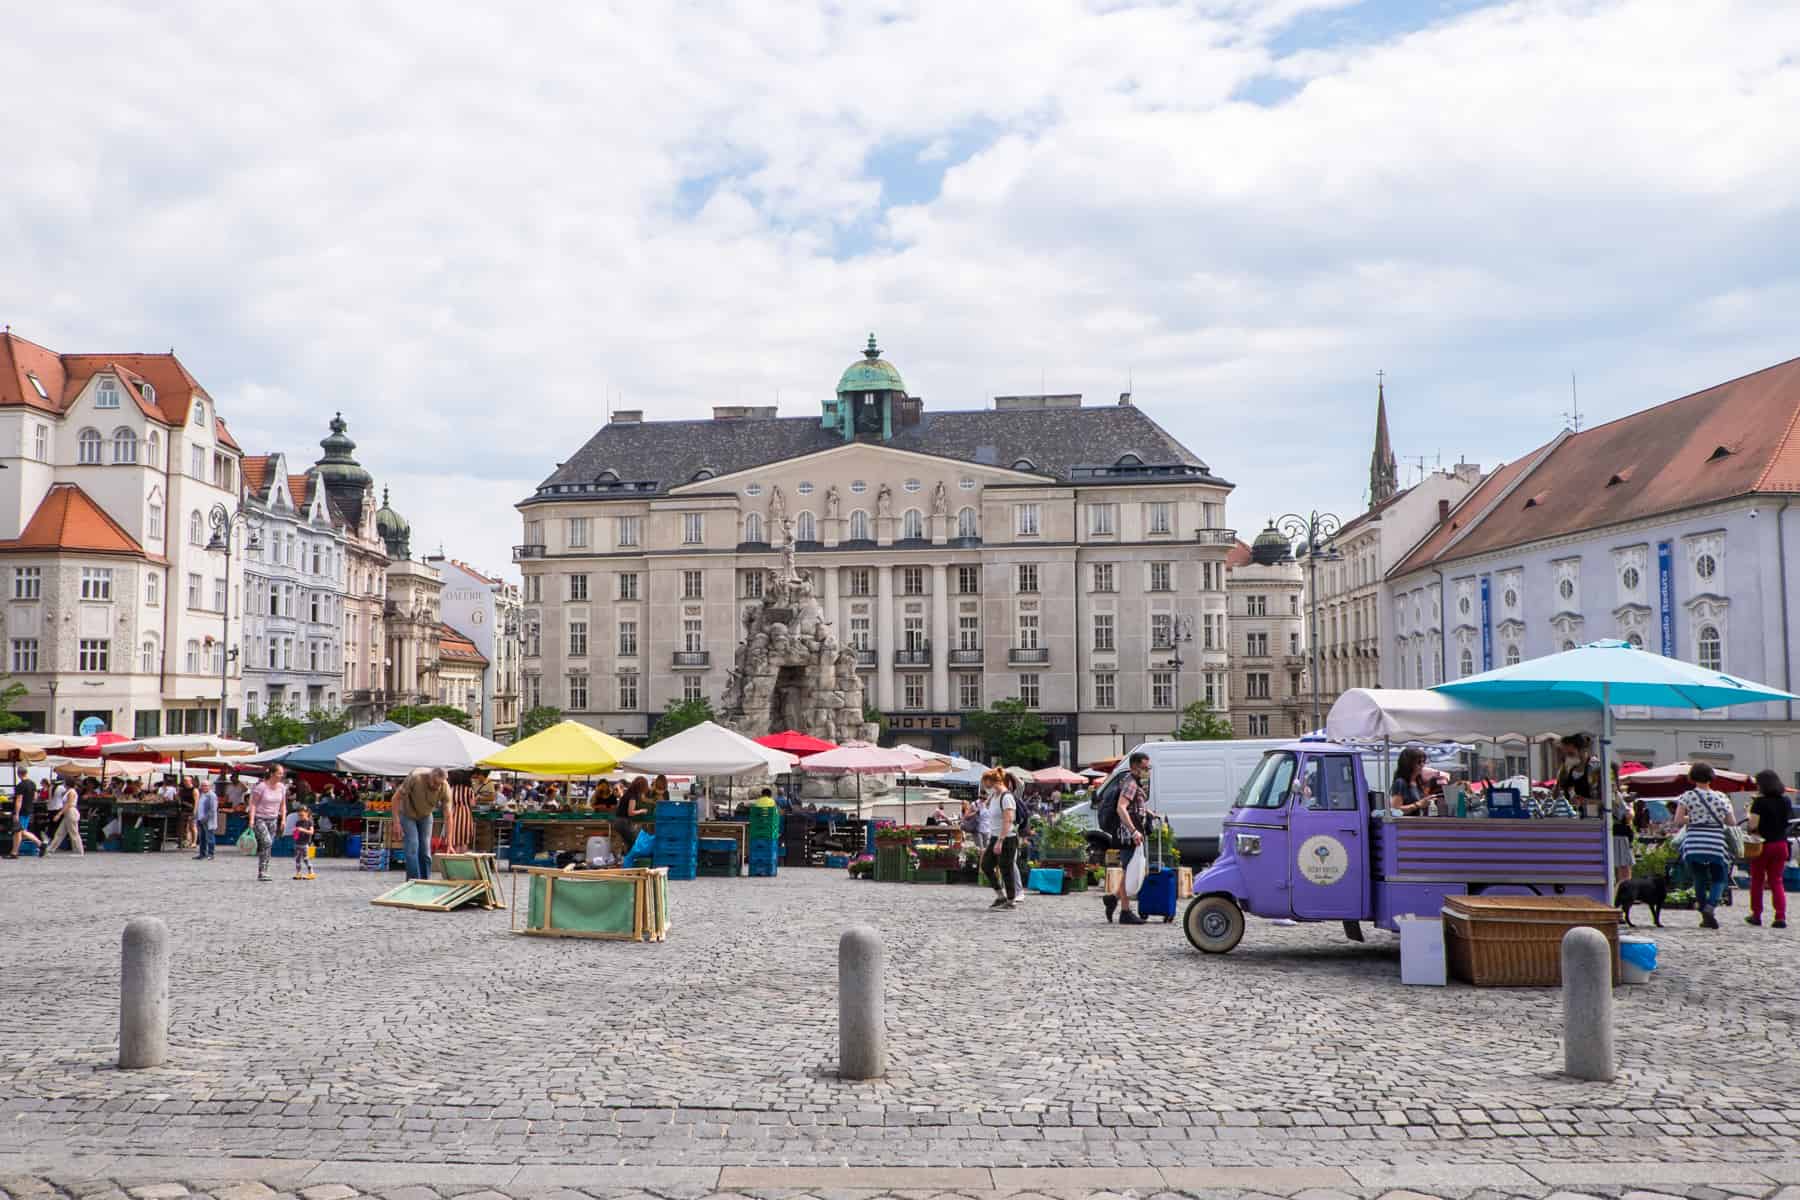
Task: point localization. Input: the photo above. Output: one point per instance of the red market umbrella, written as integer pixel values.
(794, 742)
(1672, 780)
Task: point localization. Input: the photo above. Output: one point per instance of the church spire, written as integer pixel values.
(1384, 471)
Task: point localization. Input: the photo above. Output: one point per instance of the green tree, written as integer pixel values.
(1199, 723)
(279, 727)
(1013, 734)
(538, 719)
(874, 716)
(10, 695)
(684, 715)
(417, 714)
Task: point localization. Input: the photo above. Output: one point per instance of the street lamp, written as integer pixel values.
(225, 522)
(1314, 528)
(54, 683)
(1181, 629)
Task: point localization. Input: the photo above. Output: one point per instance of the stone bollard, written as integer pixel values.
(862, 1031)
(1587, 978)
(144, 995)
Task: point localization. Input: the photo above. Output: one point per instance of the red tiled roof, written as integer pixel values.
(1736, 439)
(298, 487)
(1237, 556)
(64, 375)
(256, 473)
(224, 435)
(19, 360)
(452, 644)
(68, 519)
(482, 576)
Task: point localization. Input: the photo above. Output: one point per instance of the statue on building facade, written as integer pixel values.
(778, 511)
(884, 501)
(940, 501)
(831, 501)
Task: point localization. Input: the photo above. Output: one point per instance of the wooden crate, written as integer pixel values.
(1516, 941)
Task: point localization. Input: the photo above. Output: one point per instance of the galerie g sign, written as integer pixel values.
(1323, 860)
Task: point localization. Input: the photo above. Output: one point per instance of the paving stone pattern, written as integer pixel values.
(309, 1024)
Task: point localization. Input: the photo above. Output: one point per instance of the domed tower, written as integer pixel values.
(395, 533)
(345, 479)
(1270, 547)
(870, 398)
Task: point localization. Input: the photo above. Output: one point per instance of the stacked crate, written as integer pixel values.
(765, 838)
(797, 840)
(677, 838)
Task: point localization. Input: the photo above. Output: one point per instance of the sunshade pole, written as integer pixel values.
(1606, 789)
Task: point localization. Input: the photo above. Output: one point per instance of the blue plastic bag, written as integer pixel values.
(1639, 954)
(640, 849)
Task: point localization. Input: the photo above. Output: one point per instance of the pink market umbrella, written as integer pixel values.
(864, 758)
(1060, 776)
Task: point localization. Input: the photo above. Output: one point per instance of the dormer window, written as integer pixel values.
(199, 411)
(1024, 464)
(1718, 453)
(38, 385)
(1619, 477)
(149, 393)
(107, 396)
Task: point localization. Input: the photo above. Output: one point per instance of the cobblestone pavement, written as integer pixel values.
(310, 1025)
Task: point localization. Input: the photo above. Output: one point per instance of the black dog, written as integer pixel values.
(1653, 892)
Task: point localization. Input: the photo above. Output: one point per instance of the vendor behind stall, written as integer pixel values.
(1407, 793)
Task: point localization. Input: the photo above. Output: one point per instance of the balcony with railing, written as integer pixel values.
(865, 658)
(529, 550)
(965, 658)
(1216, 537)
(691, 660)
(1028, 656)
(917, 656)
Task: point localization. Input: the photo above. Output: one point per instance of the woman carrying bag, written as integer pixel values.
(1770, 813)
(1708, 830)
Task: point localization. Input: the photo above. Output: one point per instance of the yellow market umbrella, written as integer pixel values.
(568, 748)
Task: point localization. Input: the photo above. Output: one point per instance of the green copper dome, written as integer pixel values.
(339, 467)
(1270, 547)
(394, 529)
(872, 374)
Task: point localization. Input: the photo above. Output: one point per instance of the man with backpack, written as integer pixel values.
(1001, 859)
(1123, 821)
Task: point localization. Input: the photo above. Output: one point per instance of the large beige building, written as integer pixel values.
(1266, 592)
(1069, 555)
(350, 493)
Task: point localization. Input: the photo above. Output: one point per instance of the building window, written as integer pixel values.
(1162, 631)
(912, 525)
(1028, 577)
(197, 463)
(578, 639)
(1160, 574)
(1629, 579)
(578, 533)
(87, 447)
(968, 692)
(1209, 686)
(912, 634)
(1104, 579)
(1025, 520)
(578, 587)
(912, 581)
(628, 690)
(753, 527)
(1106, 690)
(1103, 631)
(1162, 689)
(152, 588)
(1466, 663)
(196, 529)
(531, 689)
(1294, 643)
(967, 524)
(1512, 656)
(578, 690)
(629, 530)
(1256, 645)
(1257, 725)
(124, 446)
(693, 635)
(693, 528)
(968, 633)
(534, 639)
(692, 689)
(1568, 645)
(93, 654)
(1028, 691)
(628, 639)
(218, 603)
(40, 443)
(1101, 520)
(1706, 566)
(912, 693)
(24, 655)
(1161, 518)
(1294, 605)
(193, 594)
(693, 585)
(859, 526)
(1212, 576)
(1256, 685)
(859, 581)
(628, 585)
(753, 585)
(96, 583)
(1028, 631)
(968, 580)
(859, 633)
(28, 583)
(1256, 606)
(1708, 647)
(806, 527)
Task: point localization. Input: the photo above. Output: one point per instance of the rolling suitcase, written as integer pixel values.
(1156, 898)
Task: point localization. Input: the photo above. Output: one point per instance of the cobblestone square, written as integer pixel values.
(311, 1026)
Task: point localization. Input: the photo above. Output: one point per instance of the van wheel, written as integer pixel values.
(1214, 924)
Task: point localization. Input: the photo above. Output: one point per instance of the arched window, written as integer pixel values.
(196, 529)
(753, 527)
(1467, 663)
(1512, 656)
(967, 525)
(859, 526)
(153, 449)
(806, 527)
(1419, 668)
(912, 524)
(1567, 645)
(153, 517)
(124, 445)
(88, 447)
(193, 656)
(1709, 649)
(147, 657)
(1635, 641)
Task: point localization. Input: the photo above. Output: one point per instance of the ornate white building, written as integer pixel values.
(294, 572)
(1266, 591)
(486, 611)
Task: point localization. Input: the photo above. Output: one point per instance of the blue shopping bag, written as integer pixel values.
(640, 849)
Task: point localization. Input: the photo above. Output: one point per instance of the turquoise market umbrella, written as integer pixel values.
(323, 756)
(1611, 672)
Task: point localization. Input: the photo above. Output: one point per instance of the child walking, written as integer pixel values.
(303, 834)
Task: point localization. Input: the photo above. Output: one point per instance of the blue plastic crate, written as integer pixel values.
(762, 870)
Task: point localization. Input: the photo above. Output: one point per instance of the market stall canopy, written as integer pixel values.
(103, 768)
(1672, 780)
(866, 758)
(180, 747)
(566, 748)
(53, 741)
(1611, 672)
(709, 749)
(436, 743)
(1059, 775)
(1412, 715)
(323, 755)
(792, 741)
(15, 751)
(96, 745)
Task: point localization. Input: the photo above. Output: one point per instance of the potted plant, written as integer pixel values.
(1063, 841)
(862, 866)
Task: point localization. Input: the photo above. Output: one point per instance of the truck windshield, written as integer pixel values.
(1268, 788)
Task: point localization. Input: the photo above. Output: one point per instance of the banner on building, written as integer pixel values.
(1665, 592)
(1487, 623)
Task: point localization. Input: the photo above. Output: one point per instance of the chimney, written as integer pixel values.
(1443, 511)
(627, 416)
(1124, 399)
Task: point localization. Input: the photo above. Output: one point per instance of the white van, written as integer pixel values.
(1193, 784)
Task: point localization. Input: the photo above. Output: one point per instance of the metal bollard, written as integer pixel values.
(144, 995)
(1587, 979)
(862, 1031)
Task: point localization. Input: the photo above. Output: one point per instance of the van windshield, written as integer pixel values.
(1268, 787)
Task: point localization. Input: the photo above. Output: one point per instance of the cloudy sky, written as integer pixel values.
(468, 234)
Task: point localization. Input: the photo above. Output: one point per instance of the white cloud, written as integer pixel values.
(468, 234)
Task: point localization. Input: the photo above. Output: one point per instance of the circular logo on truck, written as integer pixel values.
(1323, 860)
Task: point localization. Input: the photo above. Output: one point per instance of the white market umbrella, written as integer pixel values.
(709, 749)
(181, 747)
(53, 741)
(100, 768)
(436, 743)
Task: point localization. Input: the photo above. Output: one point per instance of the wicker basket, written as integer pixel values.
(1516, 941)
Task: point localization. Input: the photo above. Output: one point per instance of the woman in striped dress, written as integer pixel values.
(1701, 816)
